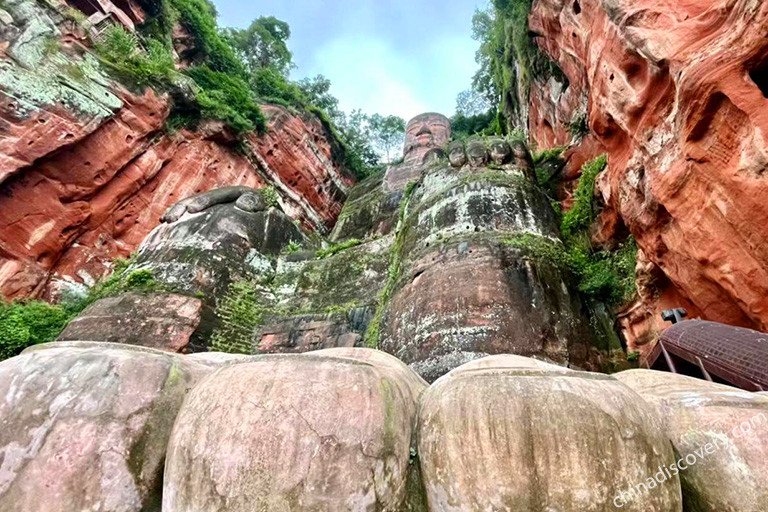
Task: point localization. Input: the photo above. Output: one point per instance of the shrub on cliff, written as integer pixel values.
(199, 17)
(240, 312)
(582, 213)
(228, 98)
(27, 323)
(145, 67)
(604, 276)
(231, 72)
(509, 59)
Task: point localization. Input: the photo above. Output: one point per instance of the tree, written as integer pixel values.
(318, 91)
(388, 133)
(472, 103)
(263, 44)
(356, 133)
(489, 31)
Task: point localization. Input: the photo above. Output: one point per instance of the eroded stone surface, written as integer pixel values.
(84, 426)
(510, 433)
(723, 429)
(87, 169)
(214, 244)
(164, 321)
(464, 290)
(330, 430)
(675, 93)
(513, 304)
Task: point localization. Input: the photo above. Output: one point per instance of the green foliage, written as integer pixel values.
(199, 17)
(582, 213)
(633, 356)
(606, 276)
(228, 98)
(578, 127)
(51, 45)
(317, 90)
(548, 154)
(373, 333)
(120, 49)
(355, 135)
(387, 133)
(336, 248)
(239, 312)
(222, 91)
(463, 126)
(270, 196)
(263, 44)
(72, 14)
(547, 164)
(291, 248)
(269, 85)
(509, 59)
(233, 70)
(140, 280)
(27, 323)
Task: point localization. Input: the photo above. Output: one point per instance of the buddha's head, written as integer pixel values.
(425, 132)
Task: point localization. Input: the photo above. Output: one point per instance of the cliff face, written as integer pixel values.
(90, 199)
(87, 167)
(676, 95)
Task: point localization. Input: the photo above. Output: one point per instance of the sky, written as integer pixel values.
(396, 57)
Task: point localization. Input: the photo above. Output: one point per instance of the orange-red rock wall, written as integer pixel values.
(673, 95)
(76, 194)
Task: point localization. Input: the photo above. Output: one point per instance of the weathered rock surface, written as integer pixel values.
(511, 433)
(320, 431)
(215, 242)
(463, 291)
(207, 243)
(164, 321)
(676, 95)
(515, 303)
(315, 303)
(369, 211)
(723, 429)
(301, 157)
(84, 426)
(87, 169)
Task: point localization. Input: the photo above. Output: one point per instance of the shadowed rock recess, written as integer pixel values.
(283, 339)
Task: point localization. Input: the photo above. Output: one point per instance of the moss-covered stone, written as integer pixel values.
(369, 211)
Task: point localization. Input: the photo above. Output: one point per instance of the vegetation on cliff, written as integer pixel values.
(224, 74)
(509, 59)
(30, 322)
(601, 275)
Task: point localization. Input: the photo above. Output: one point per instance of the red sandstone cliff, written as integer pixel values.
(75, 196)
(676, 94)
